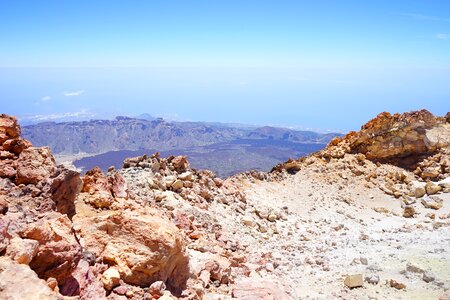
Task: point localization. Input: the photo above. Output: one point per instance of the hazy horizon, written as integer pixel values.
(325, 65)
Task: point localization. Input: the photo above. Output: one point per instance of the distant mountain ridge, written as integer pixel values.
(145, 132)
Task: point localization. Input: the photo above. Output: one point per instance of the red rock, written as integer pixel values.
(94, 180)
(16, 146)
(9, 128)
(34, 165)
(22, 251)
(180, 163)
(7, 169)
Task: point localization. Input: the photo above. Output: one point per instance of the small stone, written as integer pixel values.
(53, 284)
(186, 176)
(414, 268)
(409, 211)
(428, 277)
(419, 192)
(364, 261)
(354, 281)
(121, 290)
(432, 202)
(111, 278)
(157, 288)
(396, 285)
(373, 279)
(432, 188)
(272, 218)
(177, 185)
(248, 221)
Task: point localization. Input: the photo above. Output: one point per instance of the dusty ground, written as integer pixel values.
(326, 230)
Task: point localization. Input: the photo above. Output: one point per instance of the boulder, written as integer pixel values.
(22, 251)
(180, 163)
(18, 281)
(58, 252)
(63, 188)
(34, 165)
(144, 248)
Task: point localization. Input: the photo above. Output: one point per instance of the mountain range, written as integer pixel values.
(108, 142)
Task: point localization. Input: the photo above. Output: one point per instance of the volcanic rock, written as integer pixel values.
(34, 165)
(18, 281)
(144, 248)
(58, 252)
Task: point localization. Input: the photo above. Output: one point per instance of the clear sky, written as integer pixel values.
(311, 64)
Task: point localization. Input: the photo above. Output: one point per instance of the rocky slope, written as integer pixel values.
(366, 218)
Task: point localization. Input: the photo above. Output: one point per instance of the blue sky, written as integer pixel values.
(311, 64)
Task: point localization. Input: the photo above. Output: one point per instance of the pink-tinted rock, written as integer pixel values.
(58, 252)
(119, 187)
(63, 188)
(22, 251)
(84, 283)
(34, 165)
(18, 281)
(258, 290)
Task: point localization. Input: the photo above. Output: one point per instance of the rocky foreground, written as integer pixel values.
(366, 218)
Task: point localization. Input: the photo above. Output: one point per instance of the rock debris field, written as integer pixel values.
(367, 217)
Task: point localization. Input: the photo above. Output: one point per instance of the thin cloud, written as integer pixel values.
(443, 36)
(46, 98)
(82, 114)
(73, 94)
(426, 17)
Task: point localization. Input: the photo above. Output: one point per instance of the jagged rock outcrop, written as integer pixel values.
(402, 139)
(37, 200)
(409, 140)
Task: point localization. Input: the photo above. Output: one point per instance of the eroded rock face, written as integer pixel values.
(144, 248)
(409, 140)
(401, 135)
